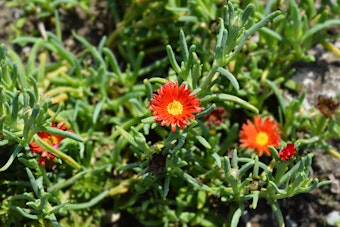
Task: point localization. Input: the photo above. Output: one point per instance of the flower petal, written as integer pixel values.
(183, 105)
(250, 131)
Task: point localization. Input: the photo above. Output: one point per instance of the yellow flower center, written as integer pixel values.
(175, 108)
(262, 138)
(51, 140)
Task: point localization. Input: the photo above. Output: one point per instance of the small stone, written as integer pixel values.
(335, 184)
(333, 218)
(335, 187)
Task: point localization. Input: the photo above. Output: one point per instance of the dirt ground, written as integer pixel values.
(320, 207)
(319, 77)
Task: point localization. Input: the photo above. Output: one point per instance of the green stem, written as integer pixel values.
(56, 152)
(334, 153)
(207, 80)
(277, 213)
(11, 158)
(280, 170)
(88, 204)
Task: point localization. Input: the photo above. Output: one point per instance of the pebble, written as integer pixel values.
(333, 218)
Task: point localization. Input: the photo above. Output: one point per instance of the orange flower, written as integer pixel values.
(260, 135)
(52, 140)
(174, 105)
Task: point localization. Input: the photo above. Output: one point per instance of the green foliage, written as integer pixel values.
(117, 158)
(42, 12)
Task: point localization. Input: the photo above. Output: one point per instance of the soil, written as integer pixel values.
(319, 77)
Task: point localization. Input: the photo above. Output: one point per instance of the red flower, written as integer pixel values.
(216, 117)
(52, 140)
(260, 135)
(287, 152)
(174, 105)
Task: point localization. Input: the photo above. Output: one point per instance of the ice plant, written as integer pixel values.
(287, 152)
(260, 134)
(174, 105)
(217, 116)
(52, 140)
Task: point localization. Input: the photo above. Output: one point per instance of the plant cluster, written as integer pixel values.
(180, 133)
